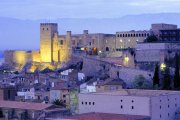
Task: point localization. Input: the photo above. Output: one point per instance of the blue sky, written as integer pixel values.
(15, 35)
(52, 9)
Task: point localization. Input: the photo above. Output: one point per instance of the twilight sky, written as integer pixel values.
(52, 9)
(24, 34)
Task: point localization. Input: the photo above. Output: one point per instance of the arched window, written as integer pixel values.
(107, 48)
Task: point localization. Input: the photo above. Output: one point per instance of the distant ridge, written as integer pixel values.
(24, 34)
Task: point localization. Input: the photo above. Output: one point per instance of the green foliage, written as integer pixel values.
(156, 76)
(141, 83)
(59, 103)
(74, 100)
(167, 80)
(151, 39)
(176, 74)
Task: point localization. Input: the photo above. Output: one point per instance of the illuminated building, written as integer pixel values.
(54, 50)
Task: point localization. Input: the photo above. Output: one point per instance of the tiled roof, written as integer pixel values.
(24, 105)
(105, 116)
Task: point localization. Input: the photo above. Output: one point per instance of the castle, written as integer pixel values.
(54, 50)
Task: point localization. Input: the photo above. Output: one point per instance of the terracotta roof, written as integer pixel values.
(24, 105)
(105, 116)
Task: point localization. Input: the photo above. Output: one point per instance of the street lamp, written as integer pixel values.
(163, 66)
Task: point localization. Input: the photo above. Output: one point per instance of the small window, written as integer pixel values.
(43, 28)
(86, 103)
(168, 106)
(61, 42)
(89, 103)
(132, 101)
(47, 28)
(93, 103)
(168, 99)
(160, 100)
(168, 114)
(160, 107)
(175, 105)
(121, 107)
(160, 115)
(64, 101)
(132, 107)
(64, 96)
(121, 100)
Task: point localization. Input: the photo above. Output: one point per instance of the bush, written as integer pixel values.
(141, 83)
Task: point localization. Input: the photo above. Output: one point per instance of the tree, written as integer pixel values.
(141, 83)
(166, 80)
(156, 76)
(1, 113)
(151, 39)
(176, 74)
(59, 103)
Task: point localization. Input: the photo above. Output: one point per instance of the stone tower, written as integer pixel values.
(47, 32)
(68, 45)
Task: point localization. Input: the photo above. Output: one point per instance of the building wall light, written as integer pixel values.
(163, 66)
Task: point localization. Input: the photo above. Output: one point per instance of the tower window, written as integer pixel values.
(61, 42)
(47, 28)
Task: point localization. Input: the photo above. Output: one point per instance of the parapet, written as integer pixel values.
(48, 24)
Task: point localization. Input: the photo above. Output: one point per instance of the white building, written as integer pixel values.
(28, 94)
(88, 87)
(158, 104)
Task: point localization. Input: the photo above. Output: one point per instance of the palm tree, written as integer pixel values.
(59, 103)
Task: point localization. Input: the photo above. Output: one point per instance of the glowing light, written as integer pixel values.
(20, 57)
(82, 49)
(33, 68)
(100, 51)
(126, 59)
(120, 40)
(163, 66)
